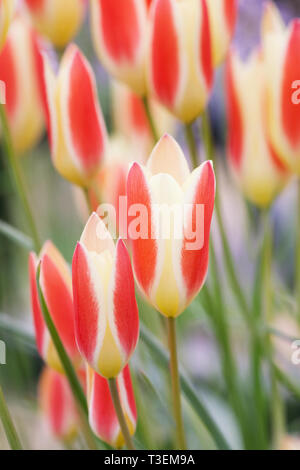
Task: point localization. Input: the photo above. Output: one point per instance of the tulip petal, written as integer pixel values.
(41, 332)
(95, 237)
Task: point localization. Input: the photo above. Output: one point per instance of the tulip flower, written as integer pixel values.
(170, 264)
(255, 164)
(106, 313)
(180, 72)
(281, 49)
(77, 129)
(120, 37)
(57, 405)
(102, 416)
(57, 20)
(21, 73)
(6, 14)
(56, 286)
(222, 18)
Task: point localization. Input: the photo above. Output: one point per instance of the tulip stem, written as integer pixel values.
(150, 119)
(8, 425)
(87, 200)
(18, 177)
(190, 138)
(180, 436)
(119, 412)
(298, 251)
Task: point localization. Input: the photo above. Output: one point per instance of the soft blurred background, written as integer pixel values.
(60, 219)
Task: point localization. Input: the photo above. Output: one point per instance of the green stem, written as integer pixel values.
(8, 425)
(190, 139)
(298, 252)
(119, 412)
(18, 177)
(87, 200)
(150, 119)
(207, 136)
(180, 436)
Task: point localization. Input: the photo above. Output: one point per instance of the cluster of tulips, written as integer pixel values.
(162, 55)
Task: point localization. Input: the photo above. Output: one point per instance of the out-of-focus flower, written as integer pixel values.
(222, 18)
(21, 72)
(57, 20)
(170, 254)
(56, 285)
(57, 405)
(180, 72)
(256, 166)
(290, 443)
(281, 49)
(106, 313)
(120, 38)
(102, 416)
(130, 119)
(77, 128)
(6, 14)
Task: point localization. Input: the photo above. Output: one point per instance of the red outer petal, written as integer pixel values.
(206, 51)
(59, 301)
(39, 63)
(138, 114)
(86, 130)
(165, 53)
(125, 307)
(129, 389)
(291, 72)
(85, 305)
(9, 76)
(144, 251)
(120, 28)
(38, 319)
(194, 263)
(230, 13)
(36, 6)
(234, 117)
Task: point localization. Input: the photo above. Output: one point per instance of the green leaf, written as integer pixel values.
(8, 425)
(16, 236)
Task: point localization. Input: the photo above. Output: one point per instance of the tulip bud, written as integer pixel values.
(77, 128)
(170, 249)
(102, 416)
(120, 37)
(21, 73)
(6, 14)
(56, 286)
(222, 19)
(57, 20)
(256, 166)
(57, 405)
(180, 64)
(106, 313)
(281, 49)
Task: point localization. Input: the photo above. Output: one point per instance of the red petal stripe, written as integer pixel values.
(205, 51)
(39, 324)
(8, 75)
(230, 13)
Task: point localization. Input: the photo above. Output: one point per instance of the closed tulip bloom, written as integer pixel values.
(120, 37)
(57, 20)
(56, 286)
(102, 416)
(281, 48)
(77, 128)
(222, 18)
(255, 164)
(106, 314)
(57, 405)
(170, 252)
(180, 58)
(21, 72)
(6, 14)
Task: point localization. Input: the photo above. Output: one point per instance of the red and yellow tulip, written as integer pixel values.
(6, 15)
(57, 20)
(171, 268)
(21, 71)
(102, 416)
(120, 38)
(77, 128)
(106, 313)
(57, 405)
(281, 49)
(255, 164)
(56, 285)
(180, 71)
(222, 18)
